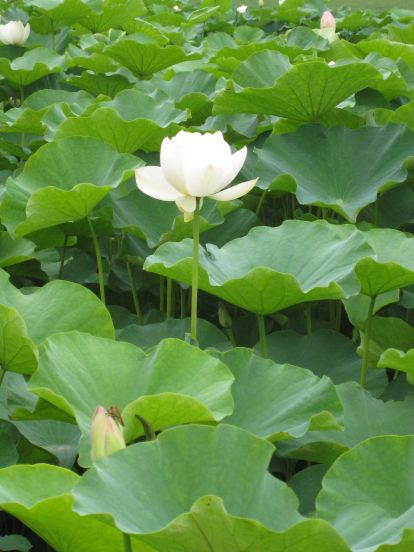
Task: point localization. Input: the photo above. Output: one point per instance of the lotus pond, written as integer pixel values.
(206, 276)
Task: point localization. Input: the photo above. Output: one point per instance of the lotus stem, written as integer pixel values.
(365, 351)
(169, 298)
(133, 287)
(261, 202)
(98, 261)
(127, 543)
(62, 258)
(162, 294)
(2, 374)
(183, 308)
(262, 336)
(194, 281)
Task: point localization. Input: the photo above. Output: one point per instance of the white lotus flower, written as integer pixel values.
(194, 165)
(14, 32)
(242, 9)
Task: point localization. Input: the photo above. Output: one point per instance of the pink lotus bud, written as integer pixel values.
(328, 20)
(106, 435)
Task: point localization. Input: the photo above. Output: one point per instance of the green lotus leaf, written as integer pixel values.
(364, 417)
(97, 16)
(14, 251)
(59, 438)
(387, 332)
(149, 335)
(377, 499)
(208, 527)
(402, 115)
(392, 267)
(96, 84)
(145, 59)
(130, 122)
(32, 66)
(307, 483)
(317, 161)
(388, 49)
(68, 177)
(135, 480)
(305, 93)
(262, 69)
(278, 402)
(39, 496)
(77, 372)
(17, 352)
(270, 269)
(8, 451)
(159, 221)
(15, 543)
(398, 360)
(325, 353)
(64, 306)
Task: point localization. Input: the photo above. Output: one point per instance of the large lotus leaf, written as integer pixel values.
(8, 451)
(72, 174)
(28, 117)
(304, 93)
(59, 438)
(144, 59)
(325, 353)
(277, 401)
(39, 496)
(96, 84)
(32, 66)
(388, 49)
(398, 360)
(15, 543)
(130, 122)
(387, 332)
(17, 352)
(14, 251)
(57, 307)
(318, 160)
(367, 502)
(209, 527)
(262, 69)
(364, 417)
(223, 461)
(97, 16)
(402, 115)
(392, 266)
(159, 221)
(307, 483)
(175, 383)
(270, 269)
(149, 335)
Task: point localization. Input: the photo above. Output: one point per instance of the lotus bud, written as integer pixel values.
(106, 434)
(242, 9)
(328, 21)
(224, 316)
(261, 4)
(14, 32)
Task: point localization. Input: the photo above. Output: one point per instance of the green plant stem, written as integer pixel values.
(230, 335)
(365, 352)
(62, 258)
(98, 261)
(2, 374)
(261, 202)
(133, 287)
(194, 281)
(262, 336)
(338, 316)
(169, 298)
(127, 543)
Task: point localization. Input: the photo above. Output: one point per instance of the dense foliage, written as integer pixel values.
(287, 426)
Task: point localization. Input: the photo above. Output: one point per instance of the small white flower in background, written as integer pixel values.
(176, 8)
(328, 20)
(261, 4)
(242, 9)
(14, 32)
(331, 63)
(194, 165)
(281, 2)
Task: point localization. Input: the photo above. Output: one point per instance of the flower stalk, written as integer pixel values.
(194, 279)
